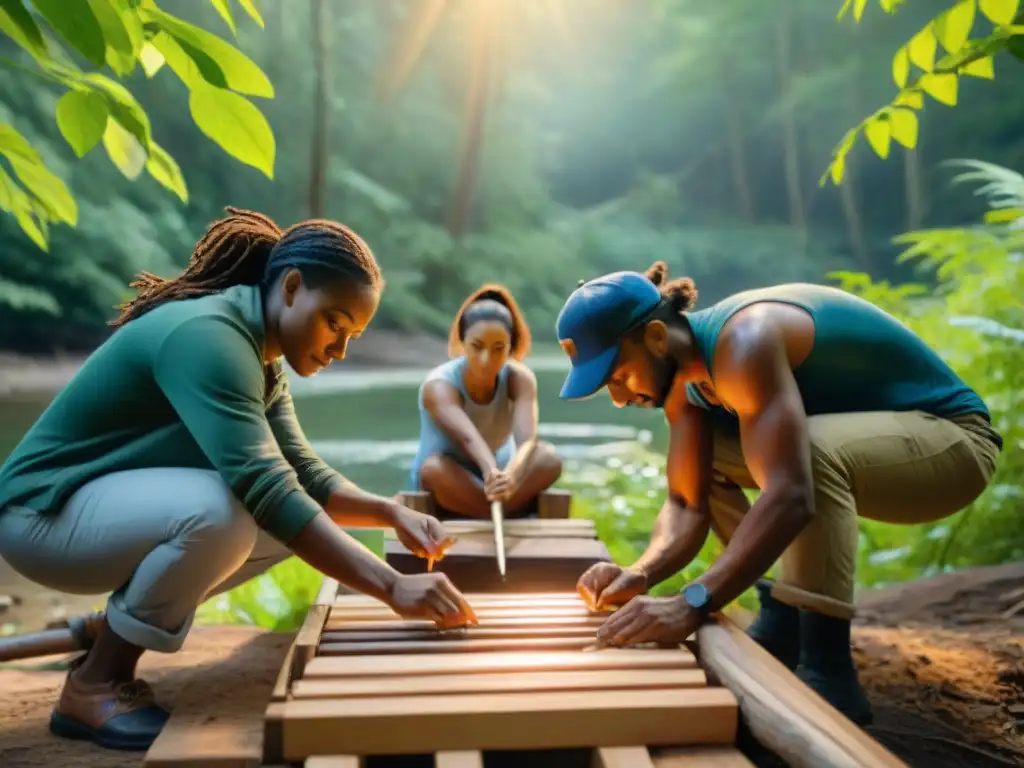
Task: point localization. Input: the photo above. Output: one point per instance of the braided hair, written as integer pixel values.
(248, 248)
(490, 302)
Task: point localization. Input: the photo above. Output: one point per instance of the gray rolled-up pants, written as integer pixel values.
(161, 540)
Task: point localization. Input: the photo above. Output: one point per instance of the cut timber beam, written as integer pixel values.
(784, 714)
(507, 721)
(551, 504)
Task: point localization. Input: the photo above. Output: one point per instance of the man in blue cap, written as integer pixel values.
(822, 401)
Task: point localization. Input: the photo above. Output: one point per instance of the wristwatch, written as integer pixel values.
(697, 597)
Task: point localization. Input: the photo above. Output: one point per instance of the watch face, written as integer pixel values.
(696, 595)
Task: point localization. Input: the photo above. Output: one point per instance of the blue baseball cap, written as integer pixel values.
(594, 319)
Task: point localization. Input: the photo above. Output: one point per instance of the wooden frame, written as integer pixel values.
(552, 504)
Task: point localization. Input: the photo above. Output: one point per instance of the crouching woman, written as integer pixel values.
(172, 466)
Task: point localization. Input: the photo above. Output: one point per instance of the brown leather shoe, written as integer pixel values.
(113, 715)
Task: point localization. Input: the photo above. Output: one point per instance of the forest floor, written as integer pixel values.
(942, 660)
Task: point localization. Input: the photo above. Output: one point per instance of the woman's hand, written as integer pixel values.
(499, 485)
(606, 585)
(421, 534)
(430, 596)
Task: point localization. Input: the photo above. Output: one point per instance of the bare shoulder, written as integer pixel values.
(521, 380)
(438, 392)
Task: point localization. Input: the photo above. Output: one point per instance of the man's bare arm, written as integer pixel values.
(682, 524)
(754, 376)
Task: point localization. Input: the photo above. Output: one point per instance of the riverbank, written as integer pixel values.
(377, 349)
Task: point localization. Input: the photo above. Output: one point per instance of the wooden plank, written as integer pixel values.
(532, 565)
(554, 504)
(547, 720)
(463, 758)
(412, 647)
(397, 622)
(465, 633)
(372, 613)
(701, 757)
(514, 661)
(622, 757)
(480, 600)
(499, 682)
(328, 591)
(308, 638)
(204, 741)
(333, 761)
(784, 714)
(283, 683)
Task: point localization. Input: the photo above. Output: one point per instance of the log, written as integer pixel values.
(782, 713)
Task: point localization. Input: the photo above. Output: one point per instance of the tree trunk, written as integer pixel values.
(318, 145)
(735, 142)
(790, 134)
(913, 189)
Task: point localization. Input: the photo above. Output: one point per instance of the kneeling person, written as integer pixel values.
(478, 415)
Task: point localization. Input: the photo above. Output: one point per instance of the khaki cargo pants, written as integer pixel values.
(896, 467)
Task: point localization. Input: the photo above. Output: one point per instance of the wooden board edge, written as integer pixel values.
(308, 637)
(273, 733)
(327, 593)
(783, 713)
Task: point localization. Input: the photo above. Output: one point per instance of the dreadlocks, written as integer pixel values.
(248, 248)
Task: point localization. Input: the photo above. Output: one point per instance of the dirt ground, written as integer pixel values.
(942, 660)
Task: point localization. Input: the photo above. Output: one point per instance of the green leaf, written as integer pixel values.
(189, 68)
(152, 59)
(1016, 47)
(82, 118)
(901, 67)
(77, 24)
(48, 189)
(122, 105)
(922, 49)
(236, 125)
(19, 25)
(14, 199)
(983, 68)
(858, 9)
(164, 169)
(903, 126)
(224, 9)
(120, 53)
(910, 98)
(878, 135)
(941, 87)
(1003, 215)
(953, 27)
(250, 8)
(124, 149)
(838, 169)
(999, 11)
(239, 71)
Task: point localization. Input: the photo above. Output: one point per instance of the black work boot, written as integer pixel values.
(826, 665)
(777, 627)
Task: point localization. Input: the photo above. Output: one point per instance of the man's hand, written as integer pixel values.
(645, 619)
(499, 485)
(430, 596)
(606, 585)
(421, 534)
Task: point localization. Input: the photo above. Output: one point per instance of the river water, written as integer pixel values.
(365, 423)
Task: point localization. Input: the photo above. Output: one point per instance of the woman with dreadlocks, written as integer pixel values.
(172, 467)
(478, 415)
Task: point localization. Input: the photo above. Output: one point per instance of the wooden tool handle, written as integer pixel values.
(76, 636)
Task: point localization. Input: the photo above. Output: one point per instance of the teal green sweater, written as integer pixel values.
(182, 386)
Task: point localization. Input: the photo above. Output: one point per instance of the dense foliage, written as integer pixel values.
(636, 139)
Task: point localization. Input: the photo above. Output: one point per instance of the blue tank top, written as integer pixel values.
(493, 420)
(863, 358)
